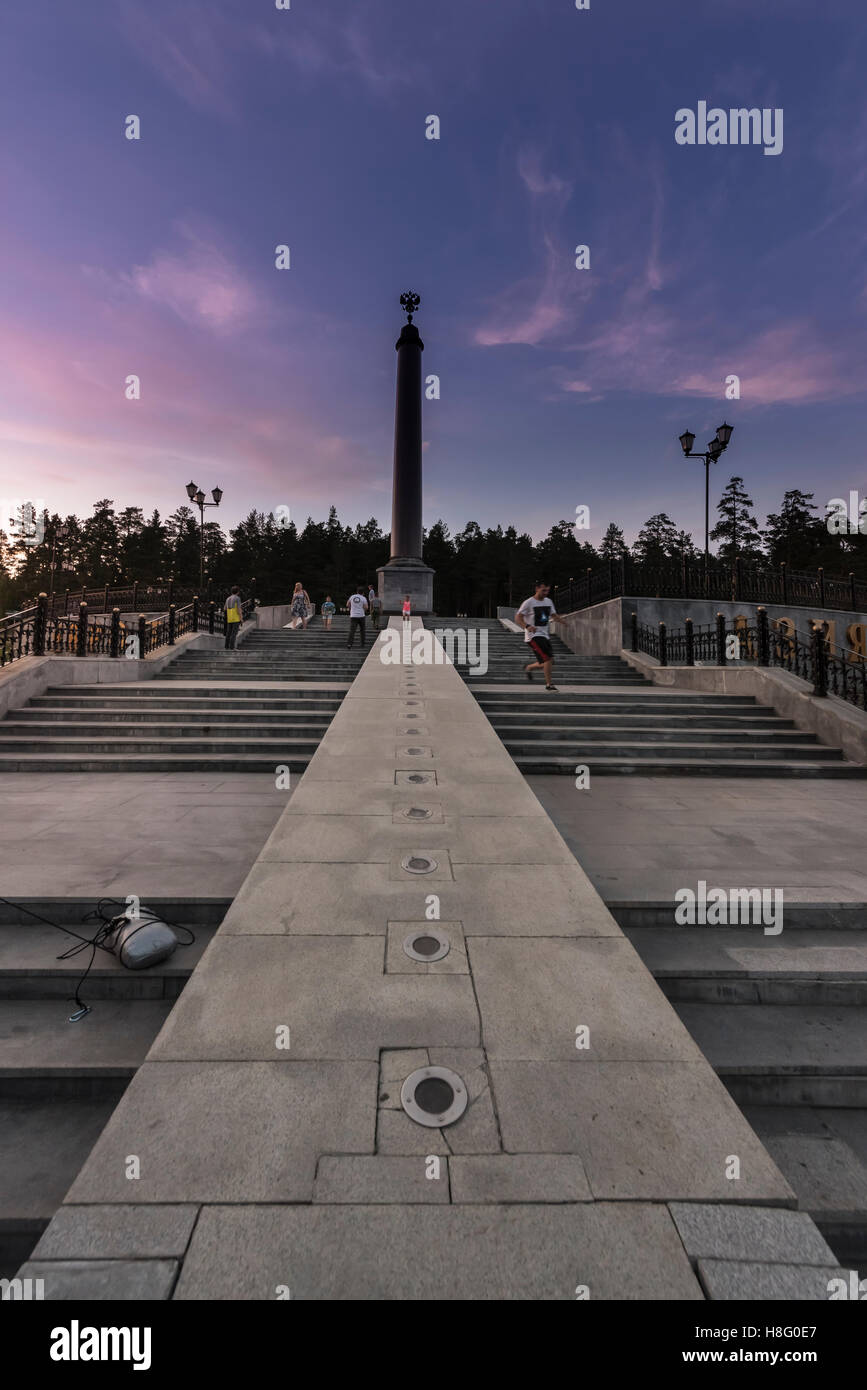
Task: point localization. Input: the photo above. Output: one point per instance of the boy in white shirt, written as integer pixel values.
(534, 616)
(357, 606)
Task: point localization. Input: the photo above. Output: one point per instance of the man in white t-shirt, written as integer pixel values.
(357, 606)
(534, 616)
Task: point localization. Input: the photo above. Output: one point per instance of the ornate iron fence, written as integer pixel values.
(830, 669)
(724, 583)
(37, 632)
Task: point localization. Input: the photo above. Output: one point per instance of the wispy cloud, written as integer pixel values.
(200, 284)
(787, 365)
(537, 308)
(190, 49)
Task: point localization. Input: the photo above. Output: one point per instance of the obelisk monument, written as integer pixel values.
(406, 572)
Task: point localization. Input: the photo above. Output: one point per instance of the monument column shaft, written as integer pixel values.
(406, 520)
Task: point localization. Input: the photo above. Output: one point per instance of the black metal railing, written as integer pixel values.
(723, 583)
(37, 632)
(129, 598)
(830, 669)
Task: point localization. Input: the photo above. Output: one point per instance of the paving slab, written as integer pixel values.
(727, 1280)
(120, 1232)
(377, 839)
(442, 1253)
(519, 1178)
(715, 1231)
(593, 991)
(103, 1280)
(663, 1131)
(331, 994)
(229, 1131)
(382, 1179)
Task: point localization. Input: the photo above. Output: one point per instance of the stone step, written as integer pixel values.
(627, 730)
(150, 762)
(652, 698)
(14, 732)
(44, 1142)
(289, 718)
(644, 746)
(784, 1054)
(30, 968)
(799, 916)
(743, 965)
(206, 697)
(590, 718)
(688, 767)
(43, 1054)
(252, 663)
(281, 748)
(822, 1153)
(299, 675)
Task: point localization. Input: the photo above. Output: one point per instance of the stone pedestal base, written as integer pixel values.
(401, 577)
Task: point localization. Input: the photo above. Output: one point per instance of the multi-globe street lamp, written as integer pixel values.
(195, 494)
(60, 534)
(715, 447)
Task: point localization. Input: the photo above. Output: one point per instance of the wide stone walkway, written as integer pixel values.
(170, 834)
(262, 1151)
(640, 839)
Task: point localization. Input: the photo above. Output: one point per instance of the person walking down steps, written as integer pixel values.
(407, 608)
(534, 617)
(300, 606)
(232, 608)
(328, 610)
(357, 606)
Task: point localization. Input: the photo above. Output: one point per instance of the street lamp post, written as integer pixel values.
(60, 534)
(195, 494)
(715, 447)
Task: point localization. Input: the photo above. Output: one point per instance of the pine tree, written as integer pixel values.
(793, 536)
(613, 545)
(737, 529)
(657, 541)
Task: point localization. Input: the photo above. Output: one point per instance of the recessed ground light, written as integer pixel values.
(417, 813)
(418, 864)
(426, 944)
(434, 1096)
(418, 777)
(415, 752)
(411, 716)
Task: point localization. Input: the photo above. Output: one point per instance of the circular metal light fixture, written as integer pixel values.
(434, 1097)
(418, 864)
(417, 813)
(427, 944)
(418, 778)
(415, 752)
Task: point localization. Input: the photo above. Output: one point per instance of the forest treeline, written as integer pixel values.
(476, 570)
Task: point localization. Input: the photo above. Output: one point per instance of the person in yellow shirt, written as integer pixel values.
(233, 618)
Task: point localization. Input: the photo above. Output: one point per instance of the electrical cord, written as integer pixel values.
(96, 942)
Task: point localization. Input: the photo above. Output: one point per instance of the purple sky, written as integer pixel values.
(307, 127)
